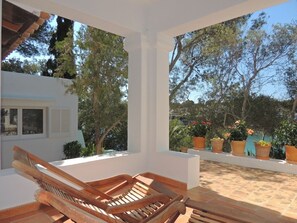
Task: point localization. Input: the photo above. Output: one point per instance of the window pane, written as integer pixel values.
(9, 121)
(32, 121)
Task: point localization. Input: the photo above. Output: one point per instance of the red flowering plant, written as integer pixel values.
(238, 131)
(199, 128)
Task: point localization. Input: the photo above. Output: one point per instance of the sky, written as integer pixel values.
(283, 13)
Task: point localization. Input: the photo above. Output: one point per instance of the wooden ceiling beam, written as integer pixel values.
(12, 26)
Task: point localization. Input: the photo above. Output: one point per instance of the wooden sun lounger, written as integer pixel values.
(82, 202)
(117, 199)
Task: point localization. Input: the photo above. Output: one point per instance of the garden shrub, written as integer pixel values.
(72, 149)
(90, 150)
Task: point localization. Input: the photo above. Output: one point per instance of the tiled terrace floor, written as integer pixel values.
(267, 194)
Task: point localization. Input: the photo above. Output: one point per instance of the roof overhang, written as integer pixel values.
(17, 25)
(170, 17)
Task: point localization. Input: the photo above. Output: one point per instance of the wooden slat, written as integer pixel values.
(66, 208)
(19, 210)
(140, 204)
(224, 211)
(212, 217)
(11, 26)
(165, 180)
(61, 173)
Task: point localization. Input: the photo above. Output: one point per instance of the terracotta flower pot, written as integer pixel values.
(237, 148)
(262, 152)
(199, 143)
(217, 146)
(184, 149)
(291, 154)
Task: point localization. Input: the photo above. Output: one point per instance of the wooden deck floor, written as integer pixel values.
(250, 194)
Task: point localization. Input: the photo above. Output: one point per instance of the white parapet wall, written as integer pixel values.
(23, 92)
(16, 190)
(246, 161)
(182, 167)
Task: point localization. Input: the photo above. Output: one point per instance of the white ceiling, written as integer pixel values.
(170, 17)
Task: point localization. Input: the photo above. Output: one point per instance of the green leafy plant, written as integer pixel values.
(177, 135)
(238, 131)
(285, 134)
(199, 128)
(263, 143)
(216, 138)
(72, 149)
(89, 150)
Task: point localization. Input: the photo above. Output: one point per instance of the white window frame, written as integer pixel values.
(20, 123)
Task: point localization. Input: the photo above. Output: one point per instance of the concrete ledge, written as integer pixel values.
(272, 164)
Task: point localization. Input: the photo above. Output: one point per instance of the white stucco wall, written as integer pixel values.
(86, 169)
(30, 91)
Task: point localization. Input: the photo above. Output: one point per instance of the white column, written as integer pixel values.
(148, 101)
(136, 46)
(0, 80)
(148, 108)
(158, 71)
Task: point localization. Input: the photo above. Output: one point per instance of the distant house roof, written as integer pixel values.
(17, 25)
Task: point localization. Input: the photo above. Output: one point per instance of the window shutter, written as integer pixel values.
(60, 122)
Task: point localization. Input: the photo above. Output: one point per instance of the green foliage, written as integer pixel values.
(277, 153)
(101, 82)
(238, 131)
(72, 149)
(263, 143)
(61, 38)
(178, 135)
(26, 66)
(216, 138)
(193, 53)
(89, 150)
(37, 43)
(285, 134)
(117, 138)
(199, 128)
(264, 113)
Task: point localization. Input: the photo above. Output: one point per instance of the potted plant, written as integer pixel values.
(237, 136)
(262, 149)
(286, 136)
(198, 130)
(177, 133)
(217, 144)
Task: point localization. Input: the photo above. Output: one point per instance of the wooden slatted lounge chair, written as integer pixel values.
(117, 199)
(124, 199)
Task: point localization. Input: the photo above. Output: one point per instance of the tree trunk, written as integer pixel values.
(100, 138)
(244, 103)
(99, 146)
(179, 85)
(294, 107)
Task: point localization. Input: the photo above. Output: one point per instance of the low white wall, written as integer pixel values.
(29, 91)
(16, 190)
(272, 164)
(179, 166)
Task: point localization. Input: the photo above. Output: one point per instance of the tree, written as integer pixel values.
(192, 52)
(37, 43)
(248, 63)
(101, 75)
(63, 30)
(265, 114)
(260, 52)
(26, 66)
(290, 80)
